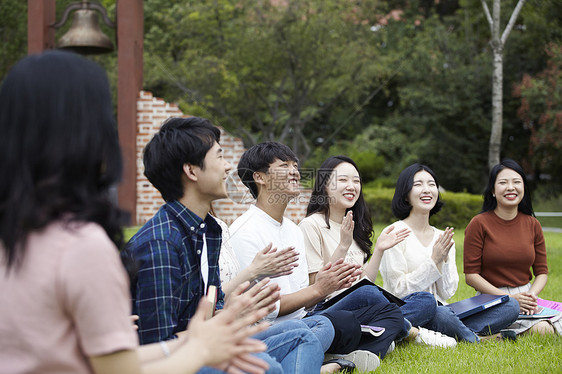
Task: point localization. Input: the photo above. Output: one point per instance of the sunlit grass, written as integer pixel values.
(529, 354)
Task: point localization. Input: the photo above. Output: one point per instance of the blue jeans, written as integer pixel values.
(447, 322)
(492, 320)
(274, 366)
(322, 328)
(421, 309)
(489, 321)
(369, 309)
(294, 346)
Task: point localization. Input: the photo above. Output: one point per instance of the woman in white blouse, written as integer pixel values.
(425, 260)
(338, 225)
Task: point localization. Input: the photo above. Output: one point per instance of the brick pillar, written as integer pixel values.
(40, 14)
(129, 83)
(151, 112)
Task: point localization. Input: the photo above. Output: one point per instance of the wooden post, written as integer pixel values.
(40, 14)
(129, 83)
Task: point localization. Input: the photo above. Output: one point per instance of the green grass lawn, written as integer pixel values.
(529, 354)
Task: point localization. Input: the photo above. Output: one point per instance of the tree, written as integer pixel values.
(13, 33)
(497, 42)
(541, 113)
(262, 71)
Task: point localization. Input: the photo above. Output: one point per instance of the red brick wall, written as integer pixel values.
(151, 112)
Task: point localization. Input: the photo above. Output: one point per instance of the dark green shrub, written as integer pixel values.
(457, 212)
(369, 163)
(379, 201)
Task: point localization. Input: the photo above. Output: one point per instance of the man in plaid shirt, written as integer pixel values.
(176, 252)
(173, 258)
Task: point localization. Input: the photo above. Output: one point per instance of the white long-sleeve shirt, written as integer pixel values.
(407, 267)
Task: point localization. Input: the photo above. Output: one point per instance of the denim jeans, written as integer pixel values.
(418, 310)
(370, 309)
(274, 366)
(447, 322)
(294, 346)
(489, 321)
(322, 328)
(421, 310)
(492, 320)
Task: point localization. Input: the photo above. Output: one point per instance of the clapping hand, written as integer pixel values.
(390, 237)
(224, 340)
(262, 295)
(269, 262)
(346, 231)
(442, 246)
(336, 276)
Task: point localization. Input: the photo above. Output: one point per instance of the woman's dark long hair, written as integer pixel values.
(320, 203)
(490, 202)
(60, 153)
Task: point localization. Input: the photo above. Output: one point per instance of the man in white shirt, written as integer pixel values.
(270, 171)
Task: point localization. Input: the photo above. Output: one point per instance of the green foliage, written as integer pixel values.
(13, 33)
(458, 209)
(379, 201)
(315, 75)
(387, 82)
(263, 72)
(541, 112)
(369, 163)
(435, 107)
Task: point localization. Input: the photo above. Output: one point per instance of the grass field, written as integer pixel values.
(529, 354)
(553, 204)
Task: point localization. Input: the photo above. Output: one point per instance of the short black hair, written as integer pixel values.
(401, 207)
(258, 158)
(490, 202)
(179, 141)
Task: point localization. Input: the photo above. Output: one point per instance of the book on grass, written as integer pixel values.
(373, 330)
(475, 304)
(542, 312)
(363, 282)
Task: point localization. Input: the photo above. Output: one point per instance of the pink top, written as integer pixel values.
(68, 301)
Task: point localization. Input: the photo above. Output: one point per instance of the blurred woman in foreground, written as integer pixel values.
(65, 297)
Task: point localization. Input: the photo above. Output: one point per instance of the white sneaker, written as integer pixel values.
(364, 360)
(391, 347)
(434, 338)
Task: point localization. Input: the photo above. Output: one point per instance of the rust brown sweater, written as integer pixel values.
(503, 252)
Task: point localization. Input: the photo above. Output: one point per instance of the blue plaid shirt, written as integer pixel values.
(167, 251)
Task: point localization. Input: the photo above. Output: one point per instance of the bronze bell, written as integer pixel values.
(85, 35)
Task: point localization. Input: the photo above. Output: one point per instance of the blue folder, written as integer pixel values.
(478, 303)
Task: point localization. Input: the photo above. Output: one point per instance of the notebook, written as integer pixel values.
(363, 282)
(478, 303)
(542, 312)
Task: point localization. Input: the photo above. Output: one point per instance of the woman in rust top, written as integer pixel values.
(504, 242)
